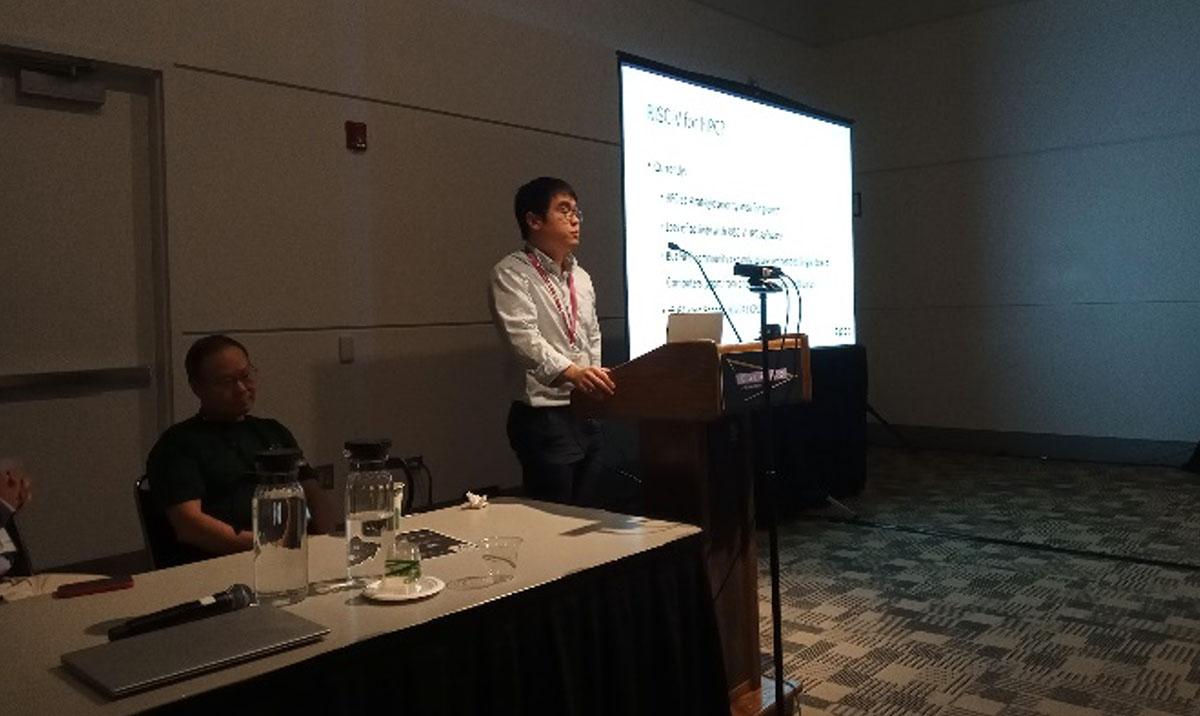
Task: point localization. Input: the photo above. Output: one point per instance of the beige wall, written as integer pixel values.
(1027, 255)
(282, 237)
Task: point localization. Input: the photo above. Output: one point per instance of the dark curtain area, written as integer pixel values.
(822, 445)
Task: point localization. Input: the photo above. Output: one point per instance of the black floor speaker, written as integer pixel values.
(822, 445)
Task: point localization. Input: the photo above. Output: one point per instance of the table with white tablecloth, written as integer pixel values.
(605, 613)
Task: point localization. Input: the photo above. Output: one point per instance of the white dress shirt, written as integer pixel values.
(532, 324)
(8, 548)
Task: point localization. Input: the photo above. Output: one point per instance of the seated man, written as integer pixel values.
(16, 490)
(202, 470)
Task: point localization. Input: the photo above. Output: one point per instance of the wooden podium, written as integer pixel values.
(690, 401)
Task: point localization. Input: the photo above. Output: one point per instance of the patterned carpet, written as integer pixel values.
(910, 618)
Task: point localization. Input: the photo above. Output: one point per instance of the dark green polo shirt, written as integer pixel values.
(213, 462)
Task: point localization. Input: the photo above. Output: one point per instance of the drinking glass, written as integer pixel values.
(500, 556)
(403, 567)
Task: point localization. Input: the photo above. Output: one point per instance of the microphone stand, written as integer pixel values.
(766, 462)
(676, 247)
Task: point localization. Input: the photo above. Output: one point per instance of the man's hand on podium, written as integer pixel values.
(592, 380)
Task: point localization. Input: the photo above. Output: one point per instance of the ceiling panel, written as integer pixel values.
(824, 22)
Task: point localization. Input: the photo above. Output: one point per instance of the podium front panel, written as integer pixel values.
(742, 379)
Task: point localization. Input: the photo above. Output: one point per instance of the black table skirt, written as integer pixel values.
(637, 636)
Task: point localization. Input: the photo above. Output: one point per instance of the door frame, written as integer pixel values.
(160, 372)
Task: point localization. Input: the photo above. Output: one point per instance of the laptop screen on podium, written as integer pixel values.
(694, 327)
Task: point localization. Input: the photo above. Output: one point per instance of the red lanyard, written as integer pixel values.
(570, 323)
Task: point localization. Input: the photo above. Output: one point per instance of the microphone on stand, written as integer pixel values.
(676, 247)
(236, 597)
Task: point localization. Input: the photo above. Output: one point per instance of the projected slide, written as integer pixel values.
(732, 179)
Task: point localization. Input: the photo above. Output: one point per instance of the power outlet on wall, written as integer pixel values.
(356, 136)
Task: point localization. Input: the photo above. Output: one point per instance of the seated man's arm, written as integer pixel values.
(320, 503)
(194, 527)
(178, 486)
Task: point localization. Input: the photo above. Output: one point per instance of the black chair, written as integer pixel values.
(398, 466)
(156, 529)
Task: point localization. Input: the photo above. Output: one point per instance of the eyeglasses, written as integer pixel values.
(246, 377)
(567, 211)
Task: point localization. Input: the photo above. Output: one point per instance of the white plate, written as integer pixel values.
(424, 587)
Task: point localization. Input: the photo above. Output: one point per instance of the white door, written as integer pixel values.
(82, 357)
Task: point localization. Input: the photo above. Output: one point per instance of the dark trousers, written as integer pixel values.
(559, 454)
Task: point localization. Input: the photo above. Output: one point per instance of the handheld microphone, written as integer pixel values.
(676, 247)
(757, 271)
(236, 597)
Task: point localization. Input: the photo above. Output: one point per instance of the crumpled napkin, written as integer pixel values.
(475, 502)
(13, 589)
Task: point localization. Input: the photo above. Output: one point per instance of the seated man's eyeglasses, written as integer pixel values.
(246, 377)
